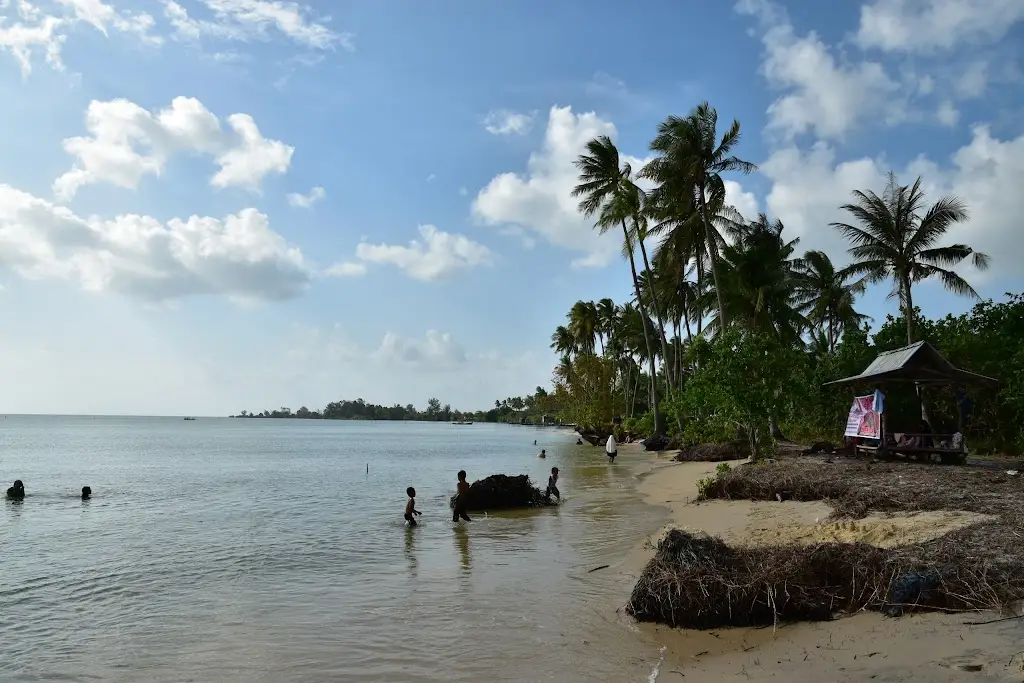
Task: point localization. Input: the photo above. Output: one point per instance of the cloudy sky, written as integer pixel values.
(216, 205)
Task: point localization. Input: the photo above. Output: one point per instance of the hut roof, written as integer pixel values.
(919, 363)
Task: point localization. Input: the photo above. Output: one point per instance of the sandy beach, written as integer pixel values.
(867, 646)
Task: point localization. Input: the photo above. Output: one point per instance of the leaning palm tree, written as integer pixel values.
(690, 163)
(826, 295)
(896, 237)
(605, 189)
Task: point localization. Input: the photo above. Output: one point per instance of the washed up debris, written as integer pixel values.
(714, 452)
(503, 492)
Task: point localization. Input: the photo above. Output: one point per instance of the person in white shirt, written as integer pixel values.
(610, 448)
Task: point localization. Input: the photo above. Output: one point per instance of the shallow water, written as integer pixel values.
(263, 550)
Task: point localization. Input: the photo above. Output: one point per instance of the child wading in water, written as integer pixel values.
(553, 485)
(410, 507)
(459, 509)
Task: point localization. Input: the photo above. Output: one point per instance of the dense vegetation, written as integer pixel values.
(731, 330)
(516, 410)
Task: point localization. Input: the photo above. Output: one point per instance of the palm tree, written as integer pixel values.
(607, 315)
(605, 188)
(564, 343)
(584, 325)
(758, 279)
(896, 239)
(690, 163)
(826, 295)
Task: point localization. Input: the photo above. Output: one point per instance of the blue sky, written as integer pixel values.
(208, 205)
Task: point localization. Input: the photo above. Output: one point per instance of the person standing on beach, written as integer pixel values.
(611, 448)
(461, 497)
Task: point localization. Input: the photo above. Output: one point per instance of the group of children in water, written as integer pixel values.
(17, 491)
(462, 492)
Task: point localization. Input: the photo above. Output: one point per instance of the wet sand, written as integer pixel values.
(867, 646)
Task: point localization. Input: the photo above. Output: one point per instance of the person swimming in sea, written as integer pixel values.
(16, 492)
(410, 507)
(579, 442)
(86, 492)
(542, 454)
(461, 498)
(553, 485)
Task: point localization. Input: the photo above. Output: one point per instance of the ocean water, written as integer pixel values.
(275, 550)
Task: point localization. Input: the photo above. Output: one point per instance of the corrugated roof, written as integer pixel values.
(919, 363)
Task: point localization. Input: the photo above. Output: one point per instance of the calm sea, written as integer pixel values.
(263, 550)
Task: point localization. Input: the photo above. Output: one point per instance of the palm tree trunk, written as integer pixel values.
(659, 426)
(908, 313)
(657, 313)
(712, 248)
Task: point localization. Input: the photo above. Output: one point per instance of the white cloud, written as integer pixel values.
(604, 84)
(347, 269)
(253, 157)
(505, 122)
(540, 199)
(438, 255)
(809, 187)
(821, 94)
(34, 31)
(973, 80)
(304, 201)
(103, 17)
(432, 177)
(741, 200)
(126, 142)
(436, 351)
(239, 256)
(246, 20)
(932, 25)
(947, 114)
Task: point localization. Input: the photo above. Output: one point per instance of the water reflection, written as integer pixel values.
(410, 550)
(462, 545)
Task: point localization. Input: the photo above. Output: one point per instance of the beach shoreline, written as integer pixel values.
(926, 646)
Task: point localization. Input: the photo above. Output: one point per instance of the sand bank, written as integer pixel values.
(868, 646)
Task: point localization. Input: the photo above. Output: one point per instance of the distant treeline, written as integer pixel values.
(518, 410)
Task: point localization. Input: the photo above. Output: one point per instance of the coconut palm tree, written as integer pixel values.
(826, 296)
(758, 279)
(606, 189)
(606, 318)
(895, 239)
(584, 324)
(689, 167)
(564, 343)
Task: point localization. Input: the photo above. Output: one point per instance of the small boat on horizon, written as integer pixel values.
(189, 418)
(463, 422)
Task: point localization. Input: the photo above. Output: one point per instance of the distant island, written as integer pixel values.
(530, 409)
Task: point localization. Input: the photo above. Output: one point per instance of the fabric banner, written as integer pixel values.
(863, 420)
